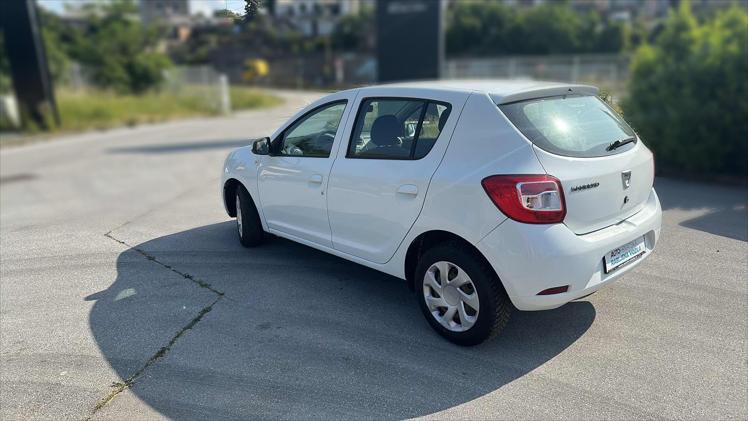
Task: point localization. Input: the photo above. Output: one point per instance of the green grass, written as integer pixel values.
(101, 110)
(243, 98)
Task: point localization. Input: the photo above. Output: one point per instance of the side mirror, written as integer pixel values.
(261, 146)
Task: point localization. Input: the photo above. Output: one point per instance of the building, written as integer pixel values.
(170, 12)
(315, 17)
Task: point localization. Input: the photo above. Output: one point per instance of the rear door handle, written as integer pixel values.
(316, 179)
(410, 189)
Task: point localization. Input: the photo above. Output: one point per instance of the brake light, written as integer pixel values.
(532, 199)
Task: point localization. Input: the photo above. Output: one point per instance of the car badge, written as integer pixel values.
(626, 179)
(585, 187)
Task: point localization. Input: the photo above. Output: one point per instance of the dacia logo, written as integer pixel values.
(584, 187)
(626, 179)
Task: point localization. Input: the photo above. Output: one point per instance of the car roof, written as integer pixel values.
(501, 91)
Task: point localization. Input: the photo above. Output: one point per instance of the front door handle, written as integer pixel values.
(410, 189)
(316, 179)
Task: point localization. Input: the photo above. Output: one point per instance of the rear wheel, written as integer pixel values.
(460, 295)
(247, 219)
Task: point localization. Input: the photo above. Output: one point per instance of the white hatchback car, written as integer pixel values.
(482, 195)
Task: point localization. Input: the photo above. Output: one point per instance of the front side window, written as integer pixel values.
(577, 126)
(390, 128)
(314, 134)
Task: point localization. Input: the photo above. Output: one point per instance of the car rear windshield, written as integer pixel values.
(572, 125)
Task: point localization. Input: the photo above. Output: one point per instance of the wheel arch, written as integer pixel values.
(429, 239)
(229, 192)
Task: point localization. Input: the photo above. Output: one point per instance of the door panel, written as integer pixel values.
(292, 196)
(369, 219)
(373, 202)
(292, 181)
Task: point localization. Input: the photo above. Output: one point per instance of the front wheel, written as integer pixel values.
(247, 219)
(460, 295)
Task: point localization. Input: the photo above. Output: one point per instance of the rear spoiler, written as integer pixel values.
(544, 92)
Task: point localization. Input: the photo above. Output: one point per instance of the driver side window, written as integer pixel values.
(313, 134)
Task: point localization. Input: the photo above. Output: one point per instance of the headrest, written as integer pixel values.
(386, 130)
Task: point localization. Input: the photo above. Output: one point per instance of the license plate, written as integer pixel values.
(624, 254)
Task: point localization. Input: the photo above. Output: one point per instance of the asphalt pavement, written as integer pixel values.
(124, 294)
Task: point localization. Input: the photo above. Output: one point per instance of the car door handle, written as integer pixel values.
(316, 179)
(410, 189)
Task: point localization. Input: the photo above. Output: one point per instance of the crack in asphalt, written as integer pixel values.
(119, 387)
(185, 275)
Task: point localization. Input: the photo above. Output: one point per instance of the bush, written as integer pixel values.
(117, 49)
(688, 94)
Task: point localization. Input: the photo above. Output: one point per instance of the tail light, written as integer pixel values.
(532, 199)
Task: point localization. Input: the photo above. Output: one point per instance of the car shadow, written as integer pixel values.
(723, 209)
(298, 334)
(194, 146)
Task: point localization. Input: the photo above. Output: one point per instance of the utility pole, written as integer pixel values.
(28, 62)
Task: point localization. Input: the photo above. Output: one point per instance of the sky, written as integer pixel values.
(205, 6)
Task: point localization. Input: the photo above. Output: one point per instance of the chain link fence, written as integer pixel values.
(201, 82)
(194, 83)
(609, 71)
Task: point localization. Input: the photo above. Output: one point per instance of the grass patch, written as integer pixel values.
(101, 109)
(243, 98)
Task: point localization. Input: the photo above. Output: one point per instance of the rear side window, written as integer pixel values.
(396, 128)
(576, 126)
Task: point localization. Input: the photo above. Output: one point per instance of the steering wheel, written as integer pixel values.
(325, 137)
(293, 150)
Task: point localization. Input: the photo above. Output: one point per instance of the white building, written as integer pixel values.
(167, 11)
(316, 17)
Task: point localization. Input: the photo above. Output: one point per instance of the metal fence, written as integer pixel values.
(606, 70)
(335, 71)
(316, 71)
(201, 83)
(609, 71)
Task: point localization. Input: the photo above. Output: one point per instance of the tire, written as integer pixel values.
(248, 222)
(494, 306)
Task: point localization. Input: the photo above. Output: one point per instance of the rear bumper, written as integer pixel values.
(531, 258)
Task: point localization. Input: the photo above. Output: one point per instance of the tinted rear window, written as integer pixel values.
(578, 126)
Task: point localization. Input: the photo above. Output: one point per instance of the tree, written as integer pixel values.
(550, 29)
(688, 94)
(118, 50)
(355, 32)
(481, 28)
(492, 28)
(5, 82)
(226, 13)
(251, 8)
(54, 46)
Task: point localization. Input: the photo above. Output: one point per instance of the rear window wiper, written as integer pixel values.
(618, 143)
